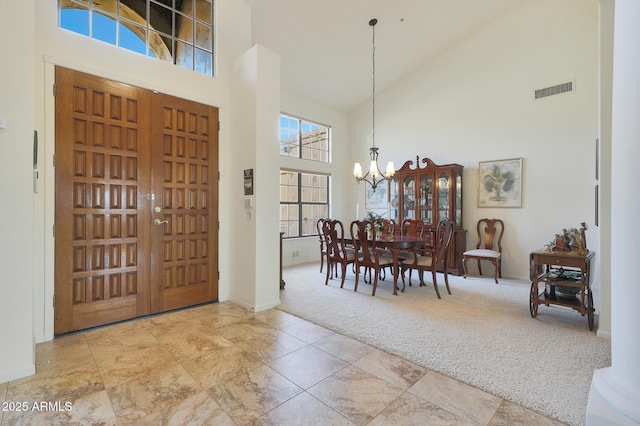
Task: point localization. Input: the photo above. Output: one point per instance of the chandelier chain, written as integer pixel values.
(374, 175)
(373, 97)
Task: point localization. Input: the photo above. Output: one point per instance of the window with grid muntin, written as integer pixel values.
(304, 139)
(304, 198)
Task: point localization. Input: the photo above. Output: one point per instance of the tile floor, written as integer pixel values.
(221, 365)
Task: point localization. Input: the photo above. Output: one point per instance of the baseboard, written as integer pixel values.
(242, 303)
(266, 306)
(18, 374)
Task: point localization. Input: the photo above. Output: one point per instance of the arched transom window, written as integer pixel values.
(179, 31)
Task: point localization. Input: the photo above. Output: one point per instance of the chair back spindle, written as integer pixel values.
(413, 227)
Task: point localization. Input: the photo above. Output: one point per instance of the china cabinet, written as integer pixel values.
(430, 192)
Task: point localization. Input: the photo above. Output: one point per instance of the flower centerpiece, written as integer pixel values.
(377, 220)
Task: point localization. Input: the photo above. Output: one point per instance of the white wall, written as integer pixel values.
(475, 102)
(16, 165)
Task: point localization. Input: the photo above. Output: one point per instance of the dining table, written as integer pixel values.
(396, 243)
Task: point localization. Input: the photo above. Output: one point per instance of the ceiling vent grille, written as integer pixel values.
(554, 90)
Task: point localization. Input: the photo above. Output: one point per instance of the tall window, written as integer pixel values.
(304, 198)
(178, 31)
(304, 195)
(304, 139)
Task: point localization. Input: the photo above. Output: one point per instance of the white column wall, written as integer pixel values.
(254, 282)
(243, 133)
(615, 391)
(603, 262)
(267, 180)
(17, 357)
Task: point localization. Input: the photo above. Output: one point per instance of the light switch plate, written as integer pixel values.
(3, 123)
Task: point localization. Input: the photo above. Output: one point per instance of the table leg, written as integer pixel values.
(396, 271)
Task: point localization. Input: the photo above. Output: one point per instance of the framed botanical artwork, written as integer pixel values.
(376, 200)
(500, 183)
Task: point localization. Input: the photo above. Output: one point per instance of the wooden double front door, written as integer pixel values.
(136, 202)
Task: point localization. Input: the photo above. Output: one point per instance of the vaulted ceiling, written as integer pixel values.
(326, 45)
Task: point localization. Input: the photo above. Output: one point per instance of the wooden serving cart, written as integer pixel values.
(567, 281)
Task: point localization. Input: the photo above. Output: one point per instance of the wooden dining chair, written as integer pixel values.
(337, 251)
(367, 255)
(411, 228)
(322, 241)
(489, 246)
(429, 259)
(388, 227)
(388, 230)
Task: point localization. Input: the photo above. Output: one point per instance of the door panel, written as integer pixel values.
(100, 272)
(110, 178)
(184, 171)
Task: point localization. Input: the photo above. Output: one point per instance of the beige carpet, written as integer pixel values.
(482, 334)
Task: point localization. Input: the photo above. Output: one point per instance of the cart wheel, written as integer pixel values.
(590, 310)
(533, 295)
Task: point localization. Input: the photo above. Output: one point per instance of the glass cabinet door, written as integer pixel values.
(443, 196)
(394, 203)
(458, 200)
(409, 191)
(426, 199)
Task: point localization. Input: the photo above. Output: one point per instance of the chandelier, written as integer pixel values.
(373, 176)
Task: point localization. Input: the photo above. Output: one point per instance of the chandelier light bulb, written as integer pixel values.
(357, 170)
(391, 170)
(373, 169)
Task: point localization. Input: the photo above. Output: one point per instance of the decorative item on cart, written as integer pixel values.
(570, 240)
(571, 275)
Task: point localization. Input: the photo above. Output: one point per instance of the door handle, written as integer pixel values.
(160, 222)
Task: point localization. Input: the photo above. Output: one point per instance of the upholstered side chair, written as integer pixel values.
(489, 246)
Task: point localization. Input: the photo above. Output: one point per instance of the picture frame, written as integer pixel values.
(378, 199)
(248, 182)
(597, 206)
(597, 158)
(500, 183)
